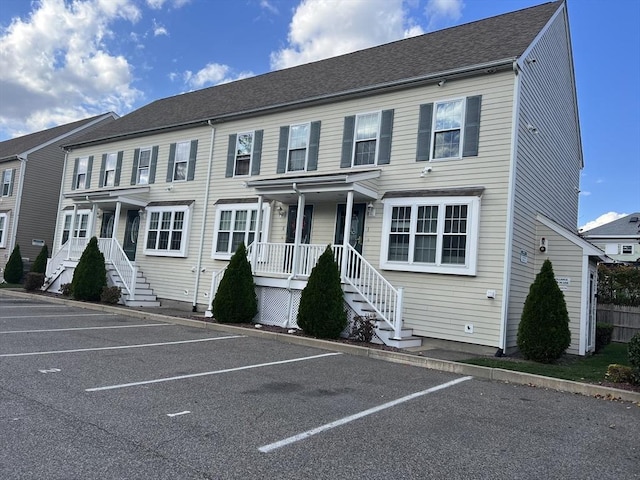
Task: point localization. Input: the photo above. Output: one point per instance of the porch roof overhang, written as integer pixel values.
(319, 188)
(107, 199)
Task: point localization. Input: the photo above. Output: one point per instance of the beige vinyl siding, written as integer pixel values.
(436, 305)
(548, 162)
(8, 206)
(567, 260)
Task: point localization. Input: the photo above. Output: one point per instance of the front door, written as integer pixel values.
(106, 230)
(306, 224)
(131, 234)
(356, 236)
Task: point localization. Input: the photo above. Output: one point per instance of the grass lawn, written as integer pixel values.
(582, 369)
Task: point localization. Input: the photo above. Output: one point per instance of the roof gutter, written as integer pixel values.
(487, 67)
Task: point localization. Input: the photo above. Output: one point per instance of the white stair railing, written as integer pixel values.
(215, 283)
(127, 271)
(383, 297)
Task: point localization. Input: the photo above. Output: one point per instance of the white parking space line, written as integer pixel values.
(87, 328)
(49, 305)
(204, 374)
(186, 412)
(351, 418)
(64, 316)
(119, 347)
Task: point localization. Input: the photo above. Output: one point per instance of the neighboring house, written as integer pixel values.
(30, 177)
(442, 169)
(619, 239)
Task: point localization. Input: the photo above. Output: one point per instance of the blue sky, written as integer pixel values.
(63, 60)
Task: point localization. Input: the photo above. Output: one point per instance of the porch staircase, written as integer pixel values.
(384, 333)
(144, 296)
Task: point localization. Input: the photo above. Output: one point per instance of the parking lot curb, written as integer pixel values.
(489, 373)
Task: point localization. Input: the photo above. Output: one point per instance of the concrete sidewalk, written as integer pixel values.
(432, 355)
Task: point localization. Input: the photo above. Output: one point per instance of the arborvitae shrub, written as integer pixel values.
(14, 268)
(90, 275)
(235, 300)
(321, 312)
(40, 264)
(604, 331)
(543, 333)
(33, 281)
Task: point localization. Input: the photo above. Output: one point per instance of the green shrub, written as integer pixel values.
(90, 275)
(235, 300)
(14, 268)
(603, 335)
(543, 333)
(33, 281)
(40, 263)
(362, 329)
(65, 289)
(619, 373)
(634, 355)
(619, 284)
(321, 312)
(110, 295)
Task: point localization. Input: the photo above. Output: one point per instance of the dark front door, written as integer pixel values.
(106, 230)
(356, 236)
(131, 234)
(306, 224)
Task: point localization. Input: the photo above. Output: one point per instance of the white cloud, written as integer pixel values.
(601, 220)
(325, 28)
(266, 5)
(158, 4)
(159, 29)
(211, 74)
(439, 10)
(55, 66)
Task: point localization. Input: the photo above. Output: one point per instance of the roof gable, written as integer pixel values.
(629, 225)
(466, 47)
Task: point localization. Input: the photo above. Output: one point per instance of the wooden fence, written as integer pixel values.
(625, 321)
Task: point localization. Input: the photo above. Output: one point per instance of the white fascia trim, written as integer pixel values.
(611, 237)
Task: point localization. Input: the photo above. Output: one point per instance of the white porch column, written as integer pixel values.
(256, 238)
(72, 229)
(92, 221)
(347, 233)
(298, 237)
(116, 219)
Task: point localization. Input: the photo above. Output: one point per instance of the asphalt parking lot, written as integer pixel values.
(95, 395)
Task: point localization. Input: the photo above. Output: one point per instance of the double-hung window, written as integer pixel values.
(236, 224)
(447, 132)
(4, 227)
(79, 230)
(430, 234)
(181, 162)
(366, 138)
(144, 165)
(244, 149)
(298, 147)
(110, 170)
(167, 230)
(7, 180)
(626, 249)
(80, 179)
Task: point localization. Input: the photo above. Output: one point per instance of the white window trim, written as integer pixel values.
(433, 129)
(306, 148)
(630, 245)
(471, 256)
(235, 153)
(5, 183)
(75, 225)
(175, 162)
(355, 141)
(4, 233)
(266, 216)
(144, 149)
(78, 173)
(185, 230)
(113, 156)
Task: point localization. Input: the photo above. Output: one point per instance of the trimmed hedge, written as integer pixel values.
(236, 300)
(14, 268)
(90, 275)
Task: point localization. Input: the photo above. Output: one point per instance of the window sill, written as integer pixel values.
(164, 253)
(444, 270)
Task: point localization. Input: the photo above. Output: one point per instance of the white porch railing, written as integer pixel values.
(112, 251)
(278, 258)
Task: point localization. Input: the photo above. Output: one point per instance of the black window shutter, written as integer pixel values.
(134, 170)
(116, 182)
(314, 146)
(193, 153)
(257, 152)
(172, 159)
(75, 173)
(89, 168)
(231, 155)
(472, 127)
(153, 164)
(283, 147)
(425, 122)
(347, 141)
(102, 166)
(12, 181)
(386, 129)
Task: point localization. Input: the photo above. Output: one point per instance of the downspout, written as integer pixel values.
(16, 216)
(194, 307)
(508, 244)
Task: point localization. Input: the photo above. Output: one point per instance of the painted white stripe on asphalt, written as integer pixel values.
(178, 414)
(64, 316)
(119, 347)
(28, 305)
(351, 418)
(87, 328)
(204, 374)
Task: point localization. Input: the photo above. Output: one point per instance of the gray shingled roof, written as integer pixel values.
(622, 226)
(497, 39)
(19, 145)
